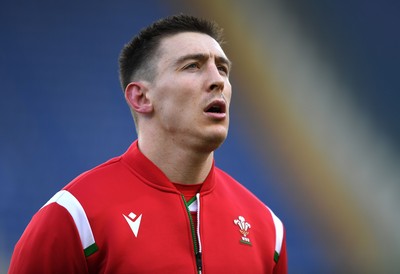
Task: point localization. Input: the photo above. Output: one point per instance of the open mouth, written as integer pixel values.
(216, 107)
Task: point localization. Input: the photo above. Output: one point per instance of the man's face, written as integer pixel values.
(191, 92)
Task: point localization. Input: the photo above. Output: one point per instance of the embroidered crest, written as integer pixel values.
(243, 229)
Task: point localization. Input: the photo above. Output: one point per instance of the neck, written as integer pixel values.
(181, 164)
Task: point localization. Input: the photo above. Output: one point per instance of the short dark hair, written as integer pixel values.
(136, 58)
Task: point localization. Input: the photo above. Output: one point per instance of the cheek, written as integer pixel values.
(175, 104)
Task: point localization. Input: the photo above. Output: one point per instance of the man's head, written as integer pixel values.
(175, 77)
(138, 58)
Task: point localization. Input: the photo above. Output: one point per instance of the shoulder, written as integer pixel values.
(92, 191)
(77, 213)
(231, 189)
(99, 182)
(100, 172)
(228, 184)
(38, 250)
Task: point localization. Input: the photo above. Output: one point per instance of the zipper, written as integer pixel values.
(195, 232)
(199, 260)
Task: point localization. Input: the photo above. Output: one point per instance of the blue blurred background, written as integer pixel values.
(314, 131)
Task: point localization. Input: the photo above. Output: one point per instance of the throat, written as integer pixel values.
(180, 162)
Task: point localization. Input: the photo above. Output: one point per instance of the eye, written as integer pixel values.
(223, 69)
(192, 66)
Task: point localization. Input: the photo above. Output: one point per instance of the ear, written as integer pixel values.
(136, 97)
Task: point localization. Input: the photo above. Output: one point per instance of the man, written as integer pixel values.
(161, 207)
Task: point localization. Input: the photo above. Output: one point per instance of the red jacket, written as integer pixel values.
(125, 216)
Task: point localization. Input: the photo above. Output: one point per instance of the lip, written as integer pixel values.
(218, 103)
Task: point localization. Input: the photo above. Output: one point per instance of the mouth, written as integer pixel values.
(216, 110)
(216, 107)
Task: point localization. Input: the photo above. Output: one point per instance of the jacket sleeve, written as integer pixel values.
(281, 266)
(49, 244)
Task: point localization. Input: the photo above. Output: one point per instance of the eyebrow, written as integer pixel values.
(203, 57)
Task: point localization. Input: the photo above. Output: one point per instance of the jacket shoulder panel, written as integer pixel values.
(75, 209)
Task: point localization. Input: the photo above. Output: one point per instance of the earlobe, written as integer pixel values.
(136, 97)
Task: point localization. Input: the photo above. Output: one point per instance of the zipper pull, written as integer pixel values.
(199, 262)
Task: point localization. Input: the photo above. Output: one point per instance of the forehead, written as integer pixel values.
(185, 43)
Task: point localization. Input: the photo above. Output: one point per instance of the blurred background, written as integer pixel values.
(315, 118)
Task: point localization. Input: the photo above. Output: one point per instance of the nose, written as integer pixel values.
(217, 86)
(217, 81)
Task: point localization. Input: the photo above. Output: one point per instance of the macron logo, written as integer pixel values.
(133, 222)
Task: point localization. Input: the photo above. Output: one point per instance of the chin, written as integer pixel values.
(215, 141)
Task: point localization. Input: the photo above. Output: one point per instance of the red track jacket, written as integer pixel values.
(125, 216)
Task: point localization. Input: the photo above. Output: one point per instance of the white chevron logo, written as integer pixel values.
(134, 224)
